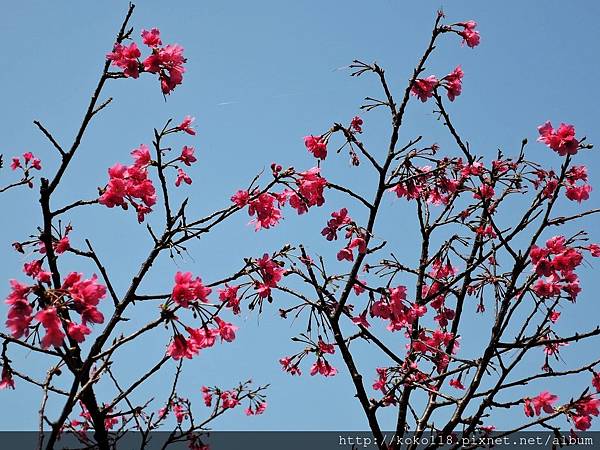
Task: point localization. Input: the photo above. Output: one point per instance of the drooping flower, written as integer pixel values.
(226, 329)
(167, 62)
(182, 177)
(270, 273)
(470, 36)
(186, 125)
(310, 190)
(51, 322)
(7, 381)
(131, 185)
(188, 289)
(266, 209)
(316, 145)
(322, 367)
(78, 331)
(456, 383)
(453, 83)
(151, 38)
(126, 57)
(228, 295)
(424, 87)
(180, 348)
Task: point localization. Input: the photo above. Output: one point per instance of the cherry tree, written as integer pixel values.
(518, 271)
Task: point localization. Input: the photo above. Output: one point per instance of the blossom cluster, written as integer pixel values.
(76, 294)
(555, 264)
(266, 206)
(131, 185)
(167, 62)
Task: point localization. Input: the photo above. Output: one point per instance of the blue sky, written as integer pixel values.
(260, 76)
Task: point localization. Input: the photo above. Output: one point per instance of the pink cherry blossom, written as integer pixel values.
(316, 145)
(424, 87)
(188, 289)
(485, 191)
(453, 83)
(126, 58)
(182, 177)
(51, 322)
(19, 312)
(167, 62)
(469, 34)
(6, 380)
(356, 124)
(186, 125)
(270, 273)
(310, 190)
(228, 295)
(266, 209)
(562, 140)
(226, 330)
(181, 348)
(78, 331)
(187, 155)
(151, 38)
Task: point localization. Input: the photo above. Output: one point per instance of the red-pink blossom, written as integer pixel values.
(229, 399)
(186, 125)
(130, 185)
(126, 58)
(240, 198)
(310, 190)
(19, 312)
(266, 209)
(453, 83)
(182, 176)
(356, 124)
(62, 245)
(270, 273)
(470, 36)
(562, 140)
(322, 367)
(180, 348)
(316, 145)
(361, 320)
(230, 298)
(456, 383)
(338, 220)
(188, 289)
(187, 155)
(51, 322)
(78, 332)
(206, 395)
(259, 409)
(424, 87)
(578, 193)
(485, 191)
(7, 381)
(151, 38)
(167, 62)
(543, 402)
(292, 369)
(226, 330)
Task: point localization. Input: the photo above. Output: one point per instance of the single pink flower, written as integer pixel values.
(186, 125)
(151, 38)
(424, 87)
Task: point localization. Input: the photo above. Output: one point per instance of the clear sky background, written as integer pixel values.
(261, 75)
